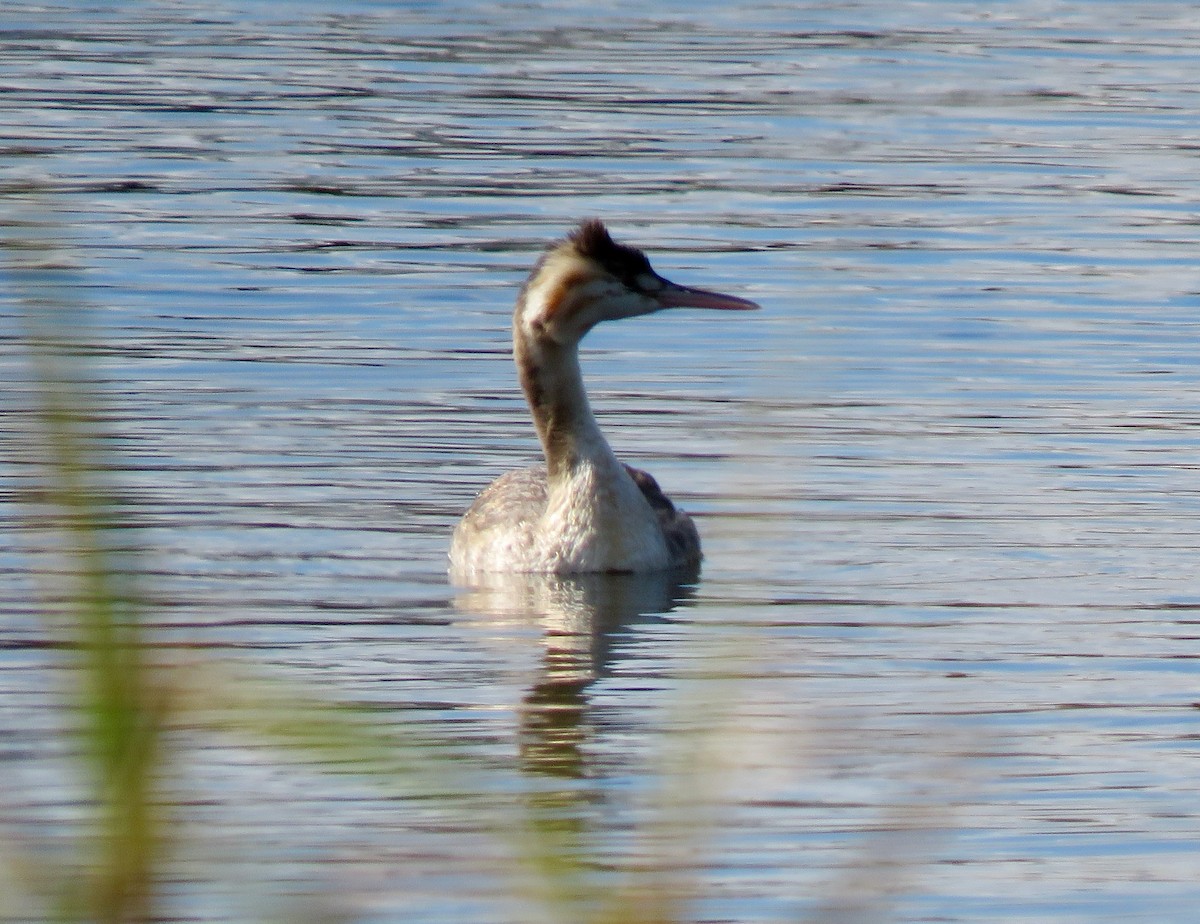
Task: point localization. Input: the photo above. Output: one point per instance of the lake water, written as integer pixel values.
(942, 656)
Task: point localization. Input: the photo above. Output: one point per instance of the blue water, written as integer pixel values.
(942, 654)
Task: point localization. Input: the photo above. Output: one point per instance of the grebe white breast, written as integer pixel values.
(583, 510)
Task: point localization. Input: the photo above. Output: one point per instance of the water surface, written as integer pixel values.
(946, 479)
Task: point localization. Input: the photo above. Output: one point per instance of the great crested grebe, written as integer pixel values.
(583, 511)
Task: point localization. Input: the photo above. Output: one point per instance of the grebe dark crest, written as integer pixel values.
(583, 510)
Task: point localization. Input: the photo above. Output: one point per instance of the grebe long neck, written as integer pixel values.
(553, 385)
(595, 518)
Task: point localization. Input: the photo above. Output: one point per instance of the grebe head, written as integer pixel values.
(588, 278)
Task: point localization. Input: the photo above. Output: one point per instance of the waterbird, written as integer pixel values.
(582, 511)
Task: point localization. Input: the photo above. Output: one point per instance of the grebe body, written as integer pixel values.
(583, 510)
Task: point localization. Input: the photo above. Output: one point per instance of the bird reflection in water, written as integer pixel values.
(581, 615)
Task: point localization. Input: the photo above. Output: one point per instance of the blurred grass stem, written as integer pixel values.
(122, 710)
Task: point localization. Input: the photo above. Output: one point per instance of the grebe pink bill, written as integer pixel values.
(582, 511)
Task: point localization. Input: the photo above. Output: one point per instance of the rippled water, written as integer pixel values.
(947, 479)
